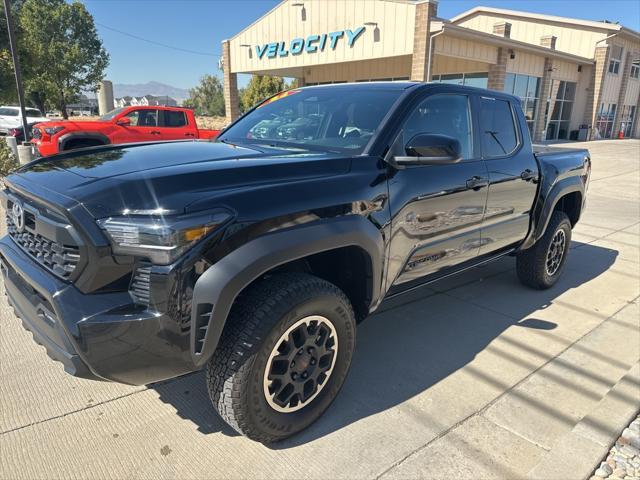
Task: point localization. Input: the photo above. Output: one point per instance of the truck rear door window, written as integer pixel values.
(497, 128)
(174, 119)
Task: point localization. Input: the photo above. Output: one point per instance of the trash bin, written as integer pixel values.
(583, 133)
(25, 153)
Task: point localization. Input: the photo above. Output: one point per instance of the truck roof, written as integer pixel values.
(408, 84)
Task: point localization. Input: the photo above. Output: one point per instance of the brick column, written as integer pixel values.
(595, 87)
(425, 10)
(230, 85)
(498, 71)
(545, 88)
(624, 82)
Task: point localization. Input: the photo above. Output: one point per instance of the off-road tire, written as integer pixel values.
(531, 264)
(259, 317)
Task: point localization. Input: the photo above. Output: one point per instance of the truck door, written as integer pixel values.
(513, 173)
(143, 127)
(174, 125)
(437, 210)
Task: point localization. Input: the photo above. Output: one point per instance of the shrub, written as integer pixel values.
(8, 162)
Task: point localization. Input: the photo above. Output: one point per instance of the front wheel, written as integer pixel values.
(540, 266)
(283, 356)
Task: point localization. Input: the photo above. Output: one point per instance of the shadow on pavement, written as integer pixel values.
(408, 347)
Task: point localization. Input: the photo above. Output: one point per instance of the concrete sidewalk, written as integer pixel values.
(475, 377)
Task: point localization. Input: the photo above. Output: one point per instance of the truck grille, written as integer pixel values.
(40, 238)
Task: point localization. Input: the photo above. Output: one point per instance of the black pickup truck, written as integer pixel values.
(256, 255)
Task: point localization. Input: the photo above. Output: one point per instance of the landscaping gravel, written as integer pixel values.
(623, 461)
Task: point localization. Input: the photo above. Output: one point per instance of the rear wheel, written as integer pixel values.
(541, 265)
(283, 357)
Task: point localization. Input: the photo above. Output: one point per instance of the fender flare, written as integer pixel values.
(217, 288)
(543, 211)
(67, 137)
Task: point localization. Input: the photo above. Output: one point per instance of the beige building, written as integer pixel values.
(569, 73)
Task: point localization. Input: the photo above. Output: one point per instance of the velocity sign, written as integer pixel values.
(311, 44)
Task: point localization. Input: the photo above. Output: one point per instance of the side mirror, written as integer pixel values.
(123, 121)
(430, 149)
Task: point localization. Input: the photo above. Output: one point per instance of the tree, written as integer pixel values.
(8, 91)
(207, 98)
(64, 54)
(259, 88)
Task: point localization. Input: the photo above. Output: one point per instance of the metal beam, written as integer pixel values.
(16, 66)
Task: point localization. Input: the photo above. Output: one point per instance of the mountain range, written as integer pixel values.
(149, 88)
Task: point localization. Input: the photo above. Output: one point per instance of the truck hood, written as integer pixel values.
(172, 176)
(75, 125)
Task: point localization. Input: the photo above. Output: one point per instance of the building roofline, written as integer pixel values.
(408, 2)
(508, 42)
(550, 18)
(233, 37)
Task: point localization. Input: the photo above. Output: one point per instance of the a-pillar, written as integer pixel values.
(230, 85)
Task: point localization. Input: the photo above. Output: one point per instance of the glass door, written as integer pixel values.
(561, 95)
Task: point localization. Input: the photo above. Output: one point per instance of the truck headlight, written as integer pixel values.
(53, 130)
(161, 239)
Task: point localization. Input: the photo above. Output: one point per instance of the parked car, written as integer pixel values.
(255, 258)
(18, 132)
(122, 125)
(10, 117)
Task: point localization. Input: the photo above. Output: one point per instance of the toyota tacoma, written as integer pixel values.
(254, 257)
(122, 125)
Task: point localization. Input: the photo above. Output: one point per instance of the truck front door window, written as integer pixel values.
(143, 118)
(444, 115)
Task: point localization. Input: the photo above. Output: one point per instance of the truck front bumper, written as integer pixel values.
(100, 336)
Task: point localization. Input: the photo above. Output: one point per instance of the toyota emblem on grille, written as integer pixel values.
(17, 212)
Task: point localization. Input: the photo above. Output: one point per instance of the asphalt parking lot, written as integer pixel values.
(475, 377)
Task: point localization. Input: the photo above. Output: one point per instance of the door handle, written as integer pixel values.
(155, 132)
(189, 134)
(528, 175)
(476, 183)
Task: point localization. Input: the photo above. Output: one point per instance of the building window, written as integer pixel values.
(627, 119)
(528, 89)
(604, 120)
(635, 69)
(478, 79)
(616, 58)
(559, 107)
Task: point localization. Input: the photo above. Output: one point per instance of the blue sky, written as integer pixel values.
(201, 25)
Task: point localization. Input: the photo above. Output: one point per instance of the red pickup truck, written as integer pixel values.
(122, 125)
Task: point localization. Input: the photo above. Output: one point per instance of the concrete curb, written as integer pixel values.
(578, 453)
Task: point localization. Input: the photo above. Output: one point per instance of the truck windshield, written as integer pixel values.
(109, 115)
(342, 119)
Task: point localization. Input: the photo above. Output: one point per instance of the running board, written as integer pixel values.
(450, 274)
